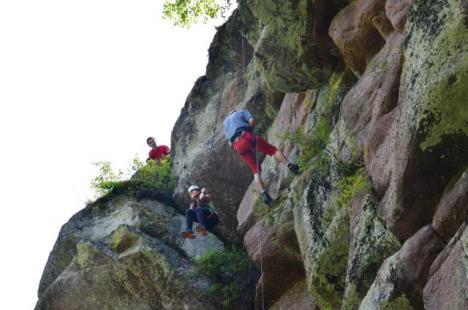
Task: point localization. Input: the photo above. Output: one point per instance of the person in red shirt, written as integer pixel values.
(157, 152)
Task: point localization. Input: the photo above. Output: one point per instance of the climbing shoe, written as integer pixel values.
(266, 198)
(202, 230)
(293, 168)
(188, 234)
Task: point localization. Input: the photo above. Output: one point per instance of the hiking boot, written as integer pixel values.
(293, 168)
(202, 230)
(188, 234)
(266, 198)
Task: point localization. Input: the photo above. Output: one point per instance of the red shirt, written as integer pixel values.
(159, 152)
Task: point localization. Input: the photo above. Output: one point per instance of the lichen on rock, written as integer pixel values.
(293, 51)
(369, 97)
(436, 55)
(371, 244)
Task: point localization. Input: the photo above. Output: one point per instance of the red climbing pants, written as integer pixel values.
(245, 147)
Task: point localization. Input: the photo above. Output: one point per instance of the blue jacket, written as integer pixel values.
(235, 121)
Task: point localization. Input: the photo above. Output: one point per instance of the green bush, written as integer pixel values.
(155, 175)
(400, 303)
(226, 269)
(324, 104)
(313, 151)
(264, 211)
(188, 12)
(107, 179)
(152, 176)
(230, 261)
(352, 186)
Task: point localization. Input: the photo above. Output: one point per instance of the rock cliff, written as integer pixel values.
(370, 98)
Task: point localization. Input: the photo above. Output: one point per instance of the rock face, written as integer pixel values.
(297, 297)
(293, 51)
(122, 253)
(200, 153)
(404, 275)
(432, 123)
(360, 31)
(452, 210)
(369, 97)
(447, 287)
(143, 276)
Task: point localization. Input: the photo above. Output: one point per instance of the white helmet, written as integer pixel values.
(193, 188)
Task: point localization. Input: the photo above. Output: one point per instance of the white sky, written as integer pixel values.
(80, 82)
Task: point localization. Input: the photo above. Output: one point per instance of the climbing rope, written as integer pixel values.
(243, 67)
(258, 171)
(263, 237)
(218, 108)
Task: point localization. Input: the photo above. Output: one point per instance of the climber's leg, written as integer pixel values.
(207, 220)
(190, 217)
(212, 221)
(246, 147)
(268, 149)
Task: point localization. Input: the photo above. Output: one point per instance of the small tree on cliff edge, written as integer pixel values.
(188, 12)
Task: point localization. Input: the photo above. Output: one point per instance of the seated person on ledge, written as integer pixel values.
(201, 211)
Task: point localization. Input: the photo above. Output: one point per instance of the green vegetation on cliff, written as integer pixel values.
(352, 186)
(150, 177)
(314, 138)
(188, 12)
(224, 268)
(436, 54)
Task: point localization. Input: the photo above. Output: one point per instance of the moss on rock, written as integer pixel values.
(371, 244)
(293, 51)
(399, 303)
(436, 70)
(328, 271)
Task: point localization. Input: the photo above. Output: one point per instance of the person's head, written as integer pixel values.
(194, 191)
(151, 142)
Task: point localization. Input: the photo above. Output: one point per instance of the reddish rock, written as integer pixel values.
(406, 272)
(275, 248)
(293, 114)
(425, 156)
(397, 12)
(452, 209)
(447, 287)
(446, 252)
(359, 31)
(416, 257)
(369, 111)
(246, 217)
(298, 297)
